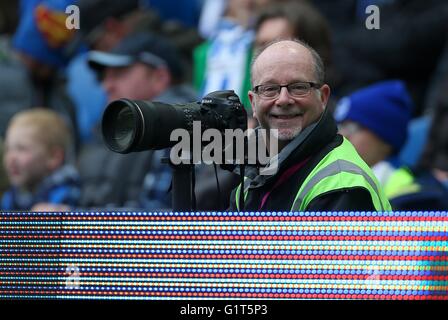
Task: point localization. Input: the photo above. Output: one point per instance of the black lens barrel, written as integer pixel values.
(122, 125)
(135, 125)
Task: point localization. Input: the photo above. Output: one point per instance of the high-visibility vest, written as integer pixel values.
(401, 182)
(341, 168)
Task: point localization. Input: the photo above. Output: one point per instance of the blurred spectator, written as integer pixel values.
(223, 61)
(159, 65)
(36, 145)
(294, 20)
(211, 13)
(428, 190)
(105, 23)
(379, 112)
(375, 120)
(146, 67)
(40, 42)
(297, 19)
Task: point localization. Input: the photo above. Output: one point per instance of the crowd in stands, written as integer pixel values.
(388, 92)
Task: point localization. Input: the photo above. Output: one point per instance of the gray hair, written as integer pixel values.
(319, 68)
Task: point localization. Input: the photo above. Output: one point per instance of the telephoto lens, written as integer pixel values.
(135, 125)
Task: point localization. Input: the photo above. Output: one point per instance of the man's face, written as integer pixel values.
(136, 82)
(284, 63)
(26, 159)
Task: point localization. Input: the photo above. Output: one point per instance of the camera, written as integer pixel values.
(135, 125)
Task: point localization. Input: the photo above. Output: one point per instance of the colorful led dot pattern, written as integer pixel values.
(224, 255)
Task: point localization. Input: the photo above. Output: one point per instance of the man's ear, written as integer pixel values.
(325, 92)
(251, 95)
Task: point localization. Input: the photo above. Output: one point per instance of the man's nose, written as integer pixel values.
(284, 97)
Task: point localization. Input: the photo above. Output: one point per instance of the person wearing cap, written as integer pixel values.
(375, 120)
(146, 67)
(316, 168)
(143, 66)
(103, 25)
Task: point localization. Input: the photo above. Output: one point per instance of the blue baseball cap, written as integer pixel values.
(146, 48)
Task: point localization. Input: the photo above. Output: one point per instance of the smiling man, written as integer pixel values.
(318, 170)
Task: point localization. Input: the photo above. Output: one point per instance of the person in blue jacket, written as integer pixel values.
(36, 147)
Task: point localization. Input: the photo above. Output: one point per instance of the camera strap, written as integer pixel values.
(241, 196)
(193, 186)
(221, 201)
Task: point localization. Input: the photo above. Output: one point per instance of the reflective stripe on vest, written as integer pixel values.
(330, 171)
(341, 168)
(247, 182)
(333, 173)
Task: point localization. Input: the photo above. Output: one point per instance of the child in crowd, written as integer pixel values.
(36, 146)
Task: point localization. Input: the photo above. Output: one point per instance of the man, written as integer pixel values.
(104, 24)
(146, 67)
(375, 119)
(318, 170)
